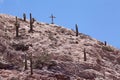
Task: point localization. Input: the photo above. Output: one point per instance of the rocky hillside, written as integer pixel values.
(56, 53)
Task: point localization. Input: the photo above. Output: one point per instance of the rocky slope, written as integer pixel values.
(57, 53)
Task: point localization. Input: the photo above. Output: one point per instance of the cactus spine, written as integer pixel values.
(17, 25)
(24, 16)
(31, 63)
(85, 58)
(76, 29)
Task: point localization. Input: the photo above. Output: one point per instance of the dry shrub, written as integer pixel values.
(44, 60)
(107, 48)
(20, 46)
(63, 58)
(118, 60)
(97, 46)
(83, 36)
(14, 78)
(61, 30)
(96, 67)
(1, 26)
(87, 44)
(3, 45)
(2, 48)
(87, 75)
(100, 43)
(69, 68)
(62, 77)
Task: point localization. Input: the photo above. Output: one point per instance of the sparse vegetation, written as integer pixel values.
(64, 58)
(107, 48)
(55, 52)
(44, 60)
(20, 46)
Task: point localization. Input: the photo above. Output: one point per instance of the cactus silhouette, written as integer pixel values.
(31, 63)
(17, 25)
(85, 58)
(105, 43)
(76, 29)
(26, 62)
(31, 23)
(24, 16)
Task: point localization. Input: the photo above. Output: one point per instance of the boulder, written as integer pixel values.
(6, 65)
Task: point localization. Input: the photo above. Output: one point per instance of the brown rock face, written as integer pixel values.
(6, 66)
(62, 77)
(87, 75)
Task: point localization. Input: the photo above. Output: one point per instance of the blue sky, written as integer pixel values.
(98, 18)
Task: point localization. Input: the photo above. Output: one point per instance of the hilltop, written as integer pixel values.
(57, 53)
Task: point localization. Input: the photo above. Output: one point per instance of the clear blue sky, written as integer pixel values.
(98, 18)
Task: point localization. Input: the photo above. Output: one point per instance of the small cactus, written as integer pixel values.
(24, 16)
(26, 62)
(105, 43)
(85, 58)
(76, 30)
(31, 23)
(17, 27)
(31, 65)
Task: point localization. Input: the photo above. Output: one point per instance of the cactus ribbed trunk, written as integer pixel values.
(76, 30)
(26, 62)
(24, 16)
(85, 58)
(17, 27)
(31, 63)
(31, 23)
(105, 43)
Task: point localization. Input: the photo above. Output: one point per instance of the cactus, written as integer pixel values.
(26, 62)
(85, 58)
(105, 43)
(31, 63)
(76, 29)
(31, 26)
(17, 27)
(24, 16)
(31, 23)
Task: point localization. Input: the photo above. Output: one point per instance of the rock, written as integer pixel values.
(118, 60)
(2, 47)
(61, 77)
(6, 65)
(1, 78)
(90, 66)
(20, 46)
(87, 74)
